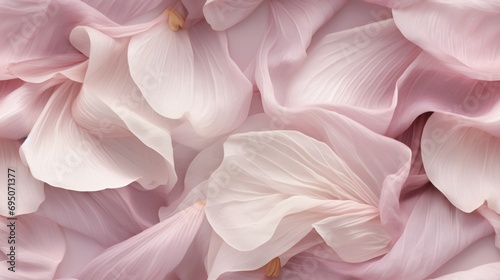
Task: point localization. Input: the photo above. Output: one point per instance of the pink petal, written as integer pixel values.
(108, 216)
(427, 86)
(39, 247)
(460, 156)
(265, 170)
(151, 254)
(26, 190)
(223, 14)
(357, 79)
(482, 272)
(20, 106)
(394, 4)
(175, 72)
(433, 223)
(457, 42)
(62, 154)
(108, 85)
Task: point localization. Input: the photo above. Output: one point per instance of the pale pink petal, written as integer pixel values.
(460, 156)
(124, 11)
(151, 254)
(20, 106)
(39, 247)
(353, 72)
(188, 76)
(72, 66)
(223, 14)
(108, 216)
(24, 193)
(264, 172)
(108, 84)
(436, 231)
(394, 4)
(41, 29)
(482, 272)
(427, 86)
(61, 153)
(467, 46)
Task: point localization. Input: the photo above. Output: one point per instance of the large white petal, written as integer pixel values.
(61, 153)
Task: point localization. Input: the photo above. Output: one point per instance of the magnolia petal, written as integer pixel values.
(108, 216)
(39, 247)
(151, 254)
(460, 159)
(456, 42)
(175, 72)
(223, 14)
(20, 106)
(27, 191)
(357, 78)
(62, 154)
(265, 170)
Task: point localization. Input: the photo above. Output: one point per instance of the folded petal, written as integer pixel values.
(223, 14)
(436, 231)
(460, 156)
(39, 248)
(62, 154)
(456, 42)
(284, 180)
(394, 4)
(353, 72)
(20, 106)
(481, 272)
(108, 84)
(189, 77)
(108, 216)
(24, 191)
(151, 254)
(427, 86)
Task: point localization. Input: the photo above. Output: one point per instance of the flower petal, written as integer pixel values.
(62, 154)
(353, 72)
(20, 106)
(223, 14)
(27, 191)
(188, 76)
(108, 216)
(39, 247)
(457, 42)
(265, 171)
(460, 159)
(108, 82)
(151, 254)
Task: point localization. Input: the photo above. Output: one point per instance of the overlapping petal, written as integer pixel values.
(153, 253)
(466, 46)
(285, 180)
(108, 216)
(61, 153)
(39, 247)
(353, 72)
(189, 77)
(26, 190)
(460, 157)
